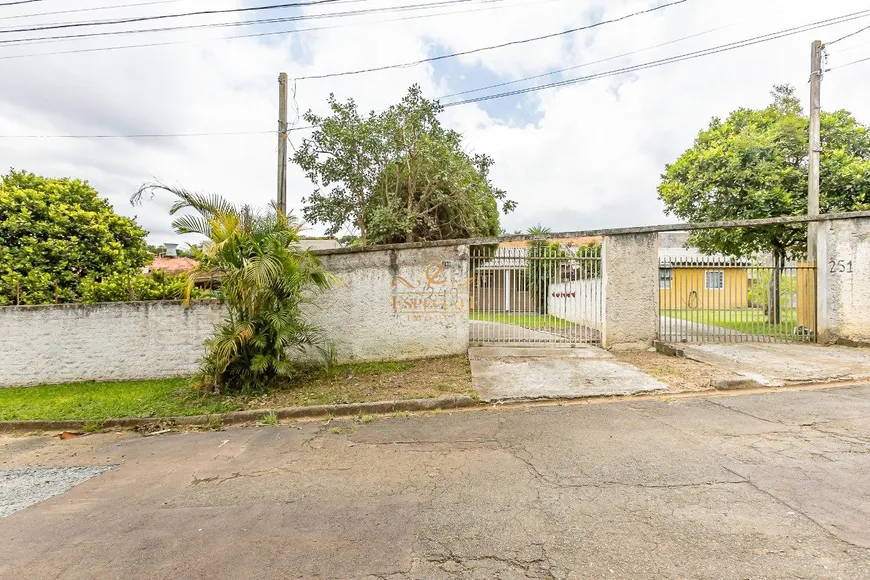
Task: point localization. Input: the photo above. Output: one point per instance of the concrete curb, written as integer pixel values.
(737, 382)
(238, 417)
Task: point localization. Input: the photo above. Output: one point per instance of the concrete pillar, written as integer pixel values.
(631, 290)
(821, 326)
(844, 281)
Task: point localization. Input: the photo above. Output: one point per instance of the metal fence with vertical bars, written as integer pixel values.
(541, 293)
(717, 299)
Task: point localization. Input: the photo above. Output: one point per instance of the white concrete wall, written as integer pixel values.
(124, 340)
(579, 301)
(844, 281)
(387, 305)
(404, 304)
(631, 290)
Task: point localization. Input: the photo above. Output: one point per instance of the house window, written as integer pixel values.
(665, 277)
(714, 280)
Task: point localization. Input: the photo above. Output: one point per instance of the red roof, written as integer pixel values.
(169, 265)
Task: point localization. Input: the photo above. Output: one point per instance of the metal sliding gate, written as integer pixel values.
(543, 293)
(734, 300)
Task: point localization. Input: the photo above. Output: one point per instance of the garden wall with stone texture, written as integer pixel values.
(387, 305)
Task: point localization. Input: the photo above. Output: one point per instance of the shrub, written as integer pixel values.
(135, 287)
(266, 277)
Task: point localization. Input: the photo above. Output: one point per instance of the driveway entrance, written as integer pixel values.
(541, 294)
(524, 373)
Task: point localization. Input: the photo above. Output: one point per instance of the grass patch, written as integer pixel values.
(270, 419)
(748, 321)
(526, 320)
(96, 402)
(367, 382)
(355, 383)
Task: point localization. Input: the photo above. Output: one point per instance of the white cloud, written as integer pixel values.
(589, 156)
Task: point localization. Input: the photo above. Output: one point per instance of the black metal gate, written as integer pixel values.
(538, 294)
(736, 300)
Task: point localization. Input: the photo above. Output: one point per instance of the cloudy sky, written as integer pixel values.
(583, 155)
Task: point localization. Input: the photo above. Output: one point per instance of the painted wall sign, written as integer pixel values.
(435, 294)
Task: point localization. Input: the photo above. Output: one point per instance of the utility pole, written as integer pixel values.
(815, 145)
(282, 143)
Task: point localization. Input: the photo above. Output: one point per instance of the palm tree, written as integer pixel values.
(266, 277)
(543, 266)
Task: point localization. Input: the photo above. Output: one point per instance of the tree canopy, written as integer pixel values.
(397, 176)
(57, 233)
(754, 164)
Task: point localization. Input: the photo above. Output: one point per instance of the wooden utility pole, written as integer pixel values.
(815, 145)
(282, 143)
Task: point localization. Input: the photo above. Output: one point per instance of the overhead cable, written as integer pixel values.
(491, 47)
(848, 64)
(679, 58)
(239, 23)
(93, 9)
(133, 19)
(857, 32)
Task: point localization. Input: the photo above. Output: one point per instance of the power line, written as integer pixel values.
(847, 36)
(585, 64)
(94, 9)
(652, 64)
(848, 64)
(132, 19)
(485, 48)
(279, 32)
(18, 2)
(670, 60)
(237, 23)
(142, 135)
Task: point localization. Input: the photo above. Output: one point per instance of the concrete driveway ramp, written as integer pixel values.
(777, 365)
(509, 374)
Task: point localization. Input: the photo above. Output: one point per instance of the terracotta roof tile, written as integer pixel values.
(177, 265)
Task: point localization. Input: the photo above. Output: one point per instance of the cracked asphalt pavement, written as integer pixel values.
(770, 485)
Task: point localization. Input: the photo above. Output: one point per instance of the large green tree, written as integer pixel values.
(754, 165)
(57, 233)
(397, 176)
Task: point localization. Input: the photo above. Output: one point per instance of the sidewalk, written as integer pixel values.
(776, 364)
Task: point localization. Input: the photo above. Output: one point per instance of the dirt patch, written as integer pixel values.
(680, 374)
(361, 383)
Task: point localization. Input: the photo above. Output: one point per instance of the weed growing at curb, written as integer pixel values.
(92, 426)
(214, 423)
(270, 419)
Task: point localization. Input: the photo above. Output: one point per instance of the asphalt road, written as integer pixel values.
(749, 486)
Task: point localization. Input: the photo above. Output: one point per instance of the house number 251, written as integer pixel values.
(840, 266)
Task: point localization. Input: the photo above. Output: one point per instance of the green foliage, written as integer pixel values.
(754, 165)
(545, 266)
(55, 234)
(157, 285)
(759, 292)
(397, 176)
(266, 277)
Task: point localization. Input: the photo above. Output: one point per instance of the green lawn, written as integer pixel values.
(349, 383)
(526, 320)
(747, 321)
(100, 401)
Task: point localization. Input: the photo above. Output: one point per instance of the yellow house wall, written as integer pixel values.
(806, 295)
(688, 291)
